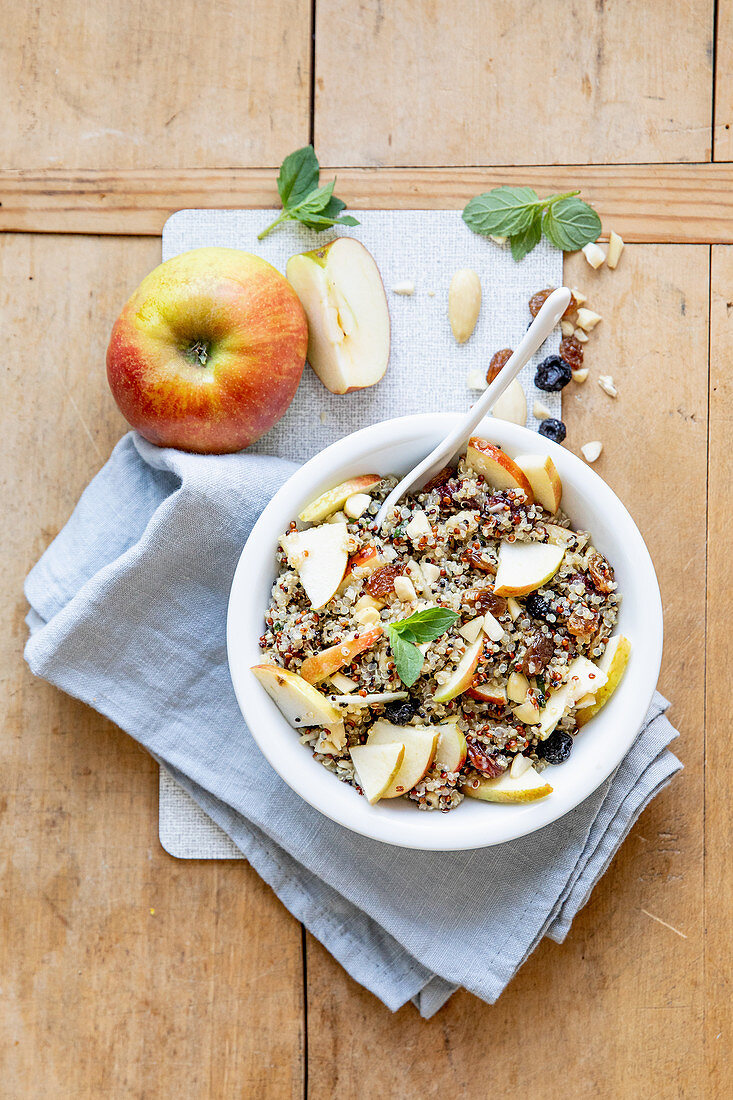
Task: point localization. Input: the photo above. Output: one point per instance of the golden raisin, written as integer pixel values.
(483, 600)
(382, 582)
(476, 559)
(498, 360)
(537, 301)
(601, 574)
(483, 761)
(571, 350)
(582, 622)
(539, 654)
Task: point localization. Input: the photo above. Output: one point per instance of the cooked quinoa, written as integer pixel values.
(450, 557)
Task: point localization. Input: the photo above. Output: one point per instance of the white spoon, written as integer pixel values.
(454, 444)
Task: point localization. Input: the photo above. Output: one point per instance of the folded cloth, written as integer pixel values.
(128, 613)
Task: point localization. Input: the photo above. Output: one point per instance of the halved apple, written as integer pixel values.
(298, 701)
(451, 751)
(376, 767)
(320, 556)
(342, 294)
(613, 662)
(334, 499)
(498, 468)
(527, 787)
(322, 665)
(420, 744)
(543, 477)
(525, 566)
(463, 673)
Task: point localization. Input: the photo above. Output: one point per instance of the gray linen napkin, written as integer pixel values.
(128, 612)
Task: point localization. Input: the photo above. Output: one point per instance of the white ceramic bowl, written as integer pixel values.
(393, 447)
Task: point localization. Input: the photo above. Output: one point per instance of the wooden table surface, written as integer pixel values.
(126, 973)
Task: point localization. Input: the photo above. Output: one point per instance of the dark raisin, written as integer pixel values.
(538, 606)
(571, 350)
(601, 574)
(382, 582)
(539, 654)
(483, 761)
(400, 712)
(537, 301)
(439, 479)
(556, 748)
(553, 429)
(498, 360)
(552, 374)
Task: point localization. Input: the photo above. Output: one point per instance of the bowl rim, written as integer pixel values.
(260, 712)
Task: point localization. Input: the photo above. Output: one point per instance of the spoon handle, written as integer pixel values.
(543, 324)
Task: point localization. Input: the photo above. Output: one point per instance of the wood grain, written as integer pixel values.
(177, 83)
(616, 1011)
(125, 973)
(685, 203)
(718, 808)
(455, 82)
(723, 120)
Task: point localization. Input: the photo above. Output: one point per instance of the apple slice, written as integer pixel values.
(527, 787)
(368, 559)
(342, 294)
(544, 479)
(495, 694)
(420, 745)
(525, 566)
(369, 700)
(451, 751)
(613, 662)
(322, 665)
(334, 499)
(320, 556)
(463, 674)
(558, 704)
(376, 767)
(296, 699)
(497, 467)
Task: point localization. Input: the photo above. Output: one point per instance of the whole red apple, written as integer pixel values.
(208, 352)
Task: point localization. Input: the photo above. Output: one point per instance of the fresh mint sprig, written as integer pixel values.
(519, 214)
(407, 634)
(303, 200)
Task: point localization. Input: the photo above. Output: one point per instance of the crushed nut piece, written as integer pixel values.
(501, 241)
(405, 288)
(594, 254)
(588, 319)
(579, 296)
(405, 590)
(615, 248)
(324, 416)
(606, 383)
(591, 451)
(567, 328)
(476, 380)
(580, 375)
(540, 411)
(581, 336)
(520, 764)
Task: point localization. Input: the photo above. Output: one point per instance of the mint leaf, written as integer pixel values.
(524, 242)
(426, 626)
(502, 212)
(407, 657)
(303, 200)
(298, 175)
(571, 223)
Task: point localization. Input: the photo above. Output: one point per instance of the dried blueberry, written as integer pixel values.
(538, 606)
(553, 429)
(556, 748)
(401, 712)
(552, 374)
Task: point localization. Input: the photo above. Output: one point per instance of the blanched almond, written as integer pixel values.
(591, 451)
(606, 383)
(464, 303)
(615, 248)
(594, 254)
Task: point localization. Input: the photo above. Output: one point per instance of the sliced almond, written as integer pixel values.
(464, 303)
(406, 288)
(615, 248)
(606, 383)
(591, 451)
(514, 608)
(588, 319)
(594, 254)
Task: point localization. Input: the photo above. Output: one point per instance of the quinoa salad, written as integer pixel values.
(456, 652)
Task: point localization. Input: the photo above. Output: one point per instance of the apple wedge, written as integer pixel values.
(368, 560)
(322, 665)
(542, 475)
(527, 787)
(297, 700)
(613, 662)
(341, 291)
(498, 468)
(525, 566)
(462, 676)
(495, 694)
(376, 767)
(334, 499)
(320, 557)
(450, 754)
(420, 745)
(374, 700)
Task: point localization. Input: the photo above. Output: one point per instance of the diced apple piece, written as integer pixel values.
(376, 767)
(544, 479)
(583, 677)
(525, 566)
(334, 499)
(497, 467)
(527, 787)
(463, 674)
(298, 701)
(471, 630)
(342, 683)
(528, 711)
(342, 294)
(320, 556)
(494, 694)
(322, 665)
(517, 687)
(558, 704)
(613, 662)
(369, 700)
(514, 609)
(420, 744)
(451, 751)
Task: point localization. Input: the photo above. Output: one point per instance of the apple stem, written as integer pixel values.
(280, 218)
